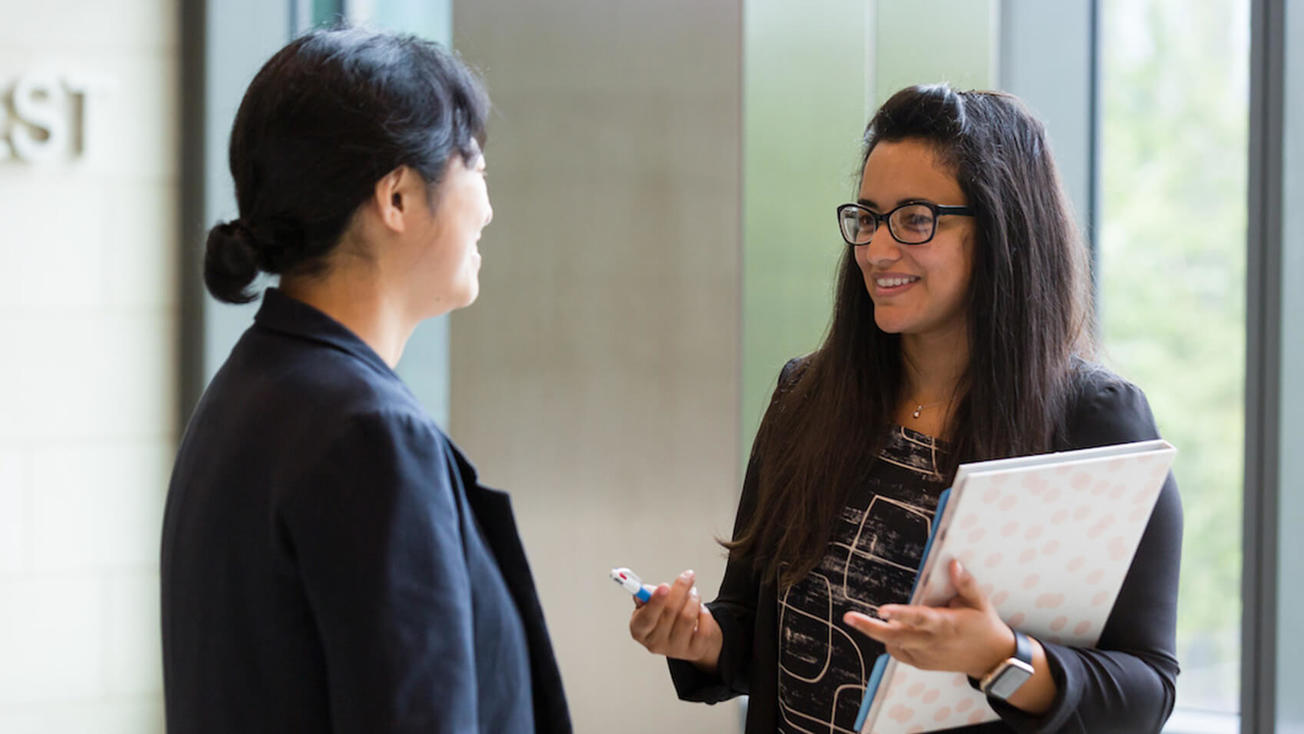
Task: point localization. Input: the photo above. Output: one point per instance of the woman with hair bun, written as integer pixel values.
(330, 562)
(961, 331)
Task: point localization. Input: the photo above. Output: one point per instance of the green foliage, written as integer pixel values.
(1172, 285)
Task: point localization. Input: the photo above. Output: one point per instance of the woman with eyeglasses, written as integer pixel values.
(330, 561)
(961, 331)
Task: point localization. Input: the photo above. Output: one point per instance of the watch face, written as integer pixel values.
(1008, 681)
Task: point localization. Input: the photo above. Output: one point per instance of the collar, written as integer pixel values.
(292, 317)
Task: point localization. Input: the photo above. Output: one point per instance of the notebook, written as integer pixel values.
(1049, 539)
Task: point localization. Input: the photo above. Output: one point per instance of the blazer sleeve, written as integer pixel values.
(734, 608)
(1128, 682)
(375, 533)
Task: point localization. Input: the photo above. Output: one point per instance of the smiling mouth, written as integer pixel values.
(894, 282)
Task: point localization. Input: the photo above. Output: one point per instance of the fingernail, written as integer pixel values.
(687, 575)
(693, 592)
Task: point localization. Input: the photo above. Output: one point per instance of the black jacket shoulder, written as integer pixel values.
(1104, 409)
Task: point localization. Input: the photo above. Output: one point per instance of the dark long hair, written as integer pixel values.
(326, 118)
(1028, 315)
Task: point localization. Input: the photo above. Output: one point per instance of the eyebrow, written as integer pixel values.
(868, 204)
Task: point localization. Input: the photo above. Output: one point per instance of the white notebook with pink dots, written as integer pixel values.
(1049, 538)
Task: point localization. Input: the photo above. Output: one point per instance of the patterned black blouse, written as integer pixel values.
(1126, 685)
(872, 559)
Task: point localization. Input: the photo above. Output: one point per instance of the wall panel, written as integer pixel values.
(597, 376)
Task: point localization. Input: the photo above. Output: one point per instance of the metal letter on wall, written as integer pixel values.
(44, 117)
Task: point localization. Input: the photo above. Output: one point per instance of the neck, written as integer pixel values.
(355, 297)
(934, 365)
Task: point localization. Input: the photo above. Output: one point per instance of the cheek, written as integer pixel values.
(966, 270)
(959, 281)
(957, 265)
(861, 256)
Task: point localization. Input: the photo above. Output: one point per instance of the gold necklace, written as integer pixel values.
(919, 408)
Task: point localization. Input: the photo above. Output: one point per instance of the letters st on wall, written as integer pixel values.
(44, 116)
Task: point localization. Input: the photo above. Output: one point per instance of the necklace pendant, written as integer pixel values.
(918, 409)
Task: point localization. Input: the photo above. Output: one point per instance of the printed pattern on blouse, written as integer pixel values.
(872, 559)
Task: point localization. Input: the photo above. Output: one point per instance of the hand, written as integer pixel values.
(674, 623)
(965, 636)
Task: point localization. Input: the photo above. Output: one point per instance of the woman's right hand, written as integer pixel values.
(675, 623)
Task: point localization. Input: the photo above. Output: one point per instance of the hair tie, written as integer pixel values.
(269, 251)
(238, 227)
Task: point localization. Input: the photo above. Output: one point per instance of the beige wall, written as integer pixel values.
(88, 308)
(597, 376)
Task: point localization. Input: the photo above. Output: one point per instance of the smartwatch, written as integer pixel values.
(1006, 678)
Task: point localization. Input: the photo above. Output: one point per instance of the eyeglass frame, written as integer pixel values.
(938, 210)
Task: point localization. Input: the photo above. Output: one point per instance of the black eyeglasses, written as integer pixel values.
(912, 223)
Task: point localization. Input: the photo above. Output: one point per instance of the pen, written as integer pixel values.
(629, 581)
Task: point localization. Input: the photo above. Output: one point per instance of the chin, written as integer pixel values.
(889, 325)
(470, 295)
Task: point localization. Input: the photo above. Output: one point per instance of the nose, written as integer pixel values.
(882, 248)
(489, 214)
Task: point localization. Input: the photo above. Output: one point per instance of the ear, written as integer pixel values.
(393, 198)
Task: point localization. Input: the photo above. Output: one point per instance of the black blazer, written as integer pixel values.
(1126, 684)
(330, 562)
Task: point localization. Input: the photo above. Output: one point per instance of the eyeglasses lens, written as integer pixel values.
(913, 224)
(858, 225)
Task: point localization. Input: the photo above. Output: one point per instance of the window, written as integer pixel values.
(1171, 272)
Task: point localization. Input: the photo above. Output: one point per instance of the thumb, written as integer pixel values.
(966, 587)
(638, 603)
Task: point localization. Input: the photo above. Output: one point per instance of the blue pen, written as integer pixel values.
(629, 581)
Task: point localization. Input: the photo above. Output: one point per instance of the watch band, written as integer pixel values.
(1010, 674)
(1022, 651)
(1022, 647)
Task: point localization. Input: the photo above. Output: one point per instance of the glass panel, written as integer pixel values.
(1290, 600)
(326, 11)
(960, 36)
(804, 108)
(1174, 94)
(813, 72)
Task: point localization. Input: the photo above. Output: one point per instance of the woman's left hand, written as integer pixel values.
(965, 636)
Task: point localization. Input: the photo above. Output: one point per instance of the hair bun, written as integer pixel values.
(231, 262)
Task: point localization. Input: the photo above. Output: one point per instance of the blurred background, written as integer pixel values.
(664, 175)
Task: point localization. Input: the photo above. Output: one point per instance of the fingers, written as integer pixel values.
(865, 625)
(901, 653)
(901, 639)
(653, 624)
(650, 589)
(897, 625)
(685, 622)
(645, 616)
(897, 637)
(877, 629)
(966, 587)
(919, 618)
(706, 640)
(675, 600)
